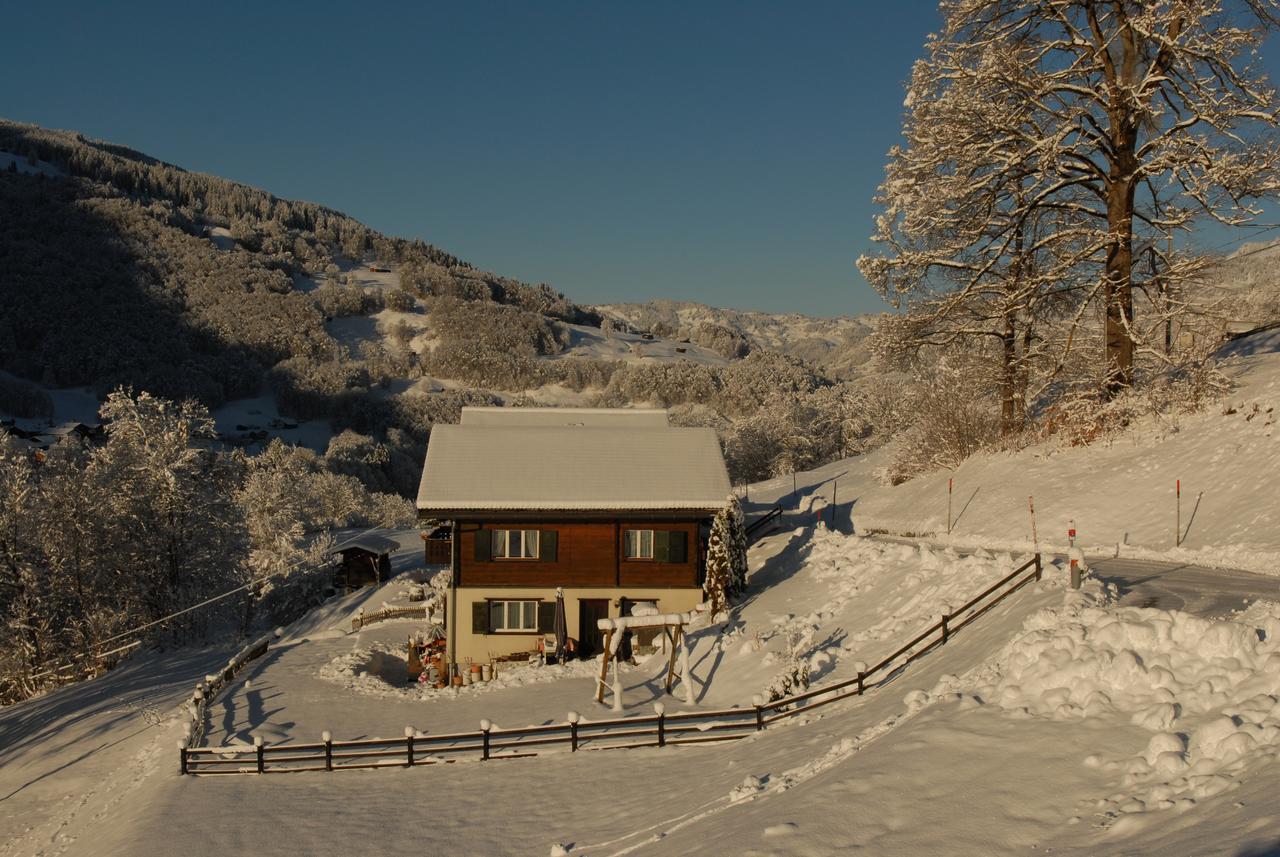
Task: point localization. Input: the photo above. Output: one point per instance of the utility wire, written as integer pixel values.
(205, 603)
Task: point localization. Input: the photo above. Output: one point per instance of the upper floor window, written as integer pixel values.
(514, 544)
(638, 544)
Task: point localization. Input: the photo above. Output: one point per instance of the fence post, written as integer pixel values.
(257, 745)
(758, 702)
(182, 751)
(327, 737)
(485, 726)
(1038, 568)
(573, 731)
(945, 630)
(408, 741)
(661, 711)
(860, 687)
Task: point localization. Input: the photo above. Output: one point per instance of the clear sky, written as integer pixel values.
(720, 152)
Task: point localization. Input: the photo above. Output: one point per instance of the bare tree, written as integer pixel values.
(1127, 121)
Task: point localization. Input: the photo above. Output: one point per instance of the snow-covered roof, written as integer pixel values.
(370, 543)
(594, 417)
(574, 459)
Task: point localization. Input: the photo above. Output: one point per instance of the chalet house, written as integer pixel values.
(610, 505)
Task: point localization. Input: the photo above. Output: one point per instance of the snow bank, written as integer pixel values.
(1207, 691)
(362, 671)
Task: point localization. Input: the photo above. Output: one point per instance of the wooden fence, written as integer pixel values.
(208, 689)
(759, 524)
(657, 730)
(417, 611)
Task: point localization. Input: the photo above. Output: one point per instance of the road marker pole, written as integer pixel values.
(949, 486)
(1177, 527)
(1035, 538)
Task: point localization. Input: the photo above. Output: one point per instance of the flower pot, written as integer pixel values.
(475, 668)
(457, 681)
(487, 673)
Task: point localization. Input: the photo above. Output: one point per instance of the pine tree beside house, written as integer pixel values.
(719, 579)
(737, 528)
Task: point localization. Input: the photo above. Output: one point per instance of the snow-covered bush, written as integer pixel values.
(952, 420)
(794, 676)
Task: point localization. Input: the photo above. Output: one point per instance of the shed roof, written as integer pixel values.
(574, 465)
(372, 544)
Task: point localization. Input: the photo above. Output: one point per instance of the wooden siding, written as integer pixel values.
(587, 554)
(648, 572)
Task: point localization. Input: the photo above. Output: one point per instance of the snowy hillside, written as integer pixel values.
(1057, 721)
(1248, 277)
(832, 343)
(1121, 494)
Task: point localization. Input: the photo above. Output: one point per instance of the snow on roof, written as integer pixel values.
(579, 460)
(370, 543)
(594, 417)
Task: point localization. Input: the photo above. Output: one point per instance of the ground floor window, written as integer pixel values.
(513, 615)
(639, 544)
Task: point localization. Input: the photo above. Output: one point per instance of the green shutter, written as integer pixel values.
(546, 617)
(484, 545)
(662, 546)
(679, 550)
(547, 545)
(480, 617)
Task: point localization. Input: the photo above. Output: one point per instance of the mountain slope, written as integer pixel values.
(122, 270)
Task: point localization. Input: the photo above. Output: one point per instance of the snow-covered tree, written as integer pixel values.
(719, 579)
(1053, 144)
(178, 534)
(737, 533)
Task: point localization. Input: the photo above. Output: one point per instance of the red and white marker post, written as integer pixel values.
(1074, 555)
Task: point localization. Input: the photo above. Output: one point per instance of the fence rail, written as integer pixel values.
(417, 611)
(759, 524)
(657, 730)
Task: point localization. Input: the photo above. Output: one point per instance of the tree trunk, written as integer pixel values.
(1009, 423)
(1120, 59)
(1118, 281)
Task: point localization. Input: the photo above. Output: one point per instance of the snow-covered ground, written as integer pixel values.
(1120, 494)
(586, 341)
(241, 417)
(1057, 722)
(8, 160)
(1060, 721)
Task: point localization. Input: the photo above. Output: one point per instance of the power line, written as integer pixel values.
(205, 603)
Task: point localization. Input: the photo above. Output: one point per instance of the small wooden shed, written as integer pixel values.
(366, 560)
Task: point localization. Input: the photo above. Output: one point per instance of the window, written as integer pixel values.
(656, 545)
(639, 544)
(515, 544)
(513, 615)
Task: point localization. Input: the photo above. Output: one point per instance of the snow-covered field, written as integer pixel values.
(1120, 494)
(1059, 722)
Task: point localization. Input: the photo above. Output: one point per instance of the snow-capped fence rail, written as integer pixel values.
(657, 730)
(208, 689)
(936, 635)
(361, 619)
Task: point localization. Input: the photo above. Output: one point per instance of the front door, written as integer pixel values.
(590, 637)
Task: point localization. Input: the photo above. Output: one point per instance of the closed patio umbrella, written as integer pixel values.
(561, 626)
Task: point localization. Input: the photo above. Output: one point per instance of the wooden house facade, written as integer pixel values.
(611, 506)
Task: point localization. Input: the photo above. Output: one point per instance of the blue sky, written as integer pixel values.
(719, 152)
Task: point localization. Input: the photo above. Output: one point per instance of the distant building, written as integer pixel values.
(611, 505)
